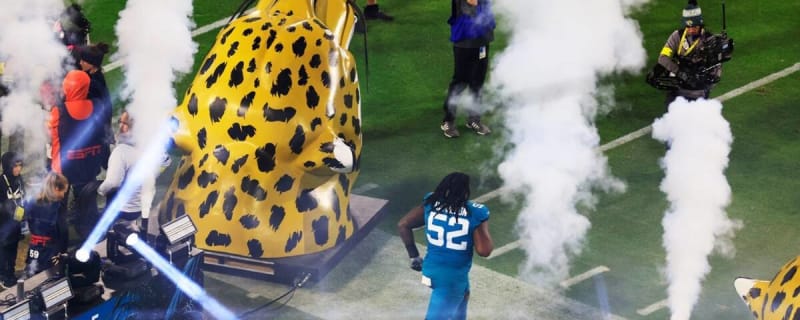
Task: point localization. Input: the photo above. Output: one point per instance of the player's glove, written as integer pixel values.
(416, 264)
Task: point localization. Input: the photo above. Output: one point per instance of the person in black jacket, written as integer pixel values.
(48, 227)
(12, 193)
(471, 30)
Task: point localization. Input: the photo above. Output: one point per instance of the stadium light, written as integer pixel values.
(179, 229)
(57, 294)
(19, 311)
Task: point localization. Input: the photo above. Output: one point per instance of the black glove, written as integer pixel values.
(416, 264)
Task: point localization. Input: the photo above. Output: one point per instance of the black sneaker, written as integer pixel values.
(449, 129)
(373, 12)
(479, 127)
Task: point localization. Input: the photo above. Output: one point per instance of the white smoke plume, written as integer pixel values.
(696, 222)
(155, 45)
(548, 78)
(33, 56)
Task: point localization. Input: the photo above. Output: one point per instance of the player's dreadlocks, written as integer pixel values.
(451, 194)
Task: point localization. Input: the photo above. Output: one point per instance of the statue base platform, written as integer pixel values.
(366, 211)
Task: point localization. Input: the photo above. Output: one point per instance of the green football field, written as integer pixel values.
(405, 154)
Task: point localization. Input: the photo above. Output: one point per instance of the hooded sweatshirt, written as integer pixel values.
(11, 194)
(120, 163)
(75, 132)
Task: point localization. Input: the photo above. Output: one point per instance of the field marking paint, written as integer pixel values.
(646, 130)
(196, 32)
(365, 188)
(583, 276)
(652, 308)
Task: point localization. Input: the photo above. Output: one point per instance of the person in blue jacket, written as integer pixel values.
(455, 227)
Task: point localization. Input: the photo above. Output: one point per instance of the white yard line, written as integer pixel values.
(196, 32)
(583, 276)
(646, 130)
(652, 308)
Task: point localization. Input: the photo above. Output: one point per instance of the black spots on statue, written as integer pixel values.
(348, 101)
(215, 238)
(229, 203)
(278, 115)
(265, 158)
(778, 300)
(299, 47)
(256, 83)
(357, 125)
(335, 205)
(202, 161)
(282, 22)
(353, 74)
(328, 35)
(241, 133)
(192, 105)
(283, 83)
(305, 201)
(253, 188)
(217, 109)
(284, 184)
(221, 153)
(789, 275)
(345, 183)
(298, 140)
(342, 235)
(254, 248)
(291, 28)
(251, 66)
(185, 178)
(271, 39)
(247, 32)
(318, 42)
(326, 147)
(239, 163)
(205, 178)
(309, 164)
(245, 104)
(252, 19)
(290, 13)
(201, 138)
(320, 229)
(326, 79)
(249, 221)
(302, 76)
(343, 119)
(237, 75)
(279, 47)
(208, 203)
(341, 82)
(226, 35)
(316, 60)
(208, 63)
(232, 50)
(256, 43)
(276, 215)
(316, 122)
(312, 97)
(268, 67)
(293, 240)
(266, 26)
(307, 26)
(332, 163)
(218, 71)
